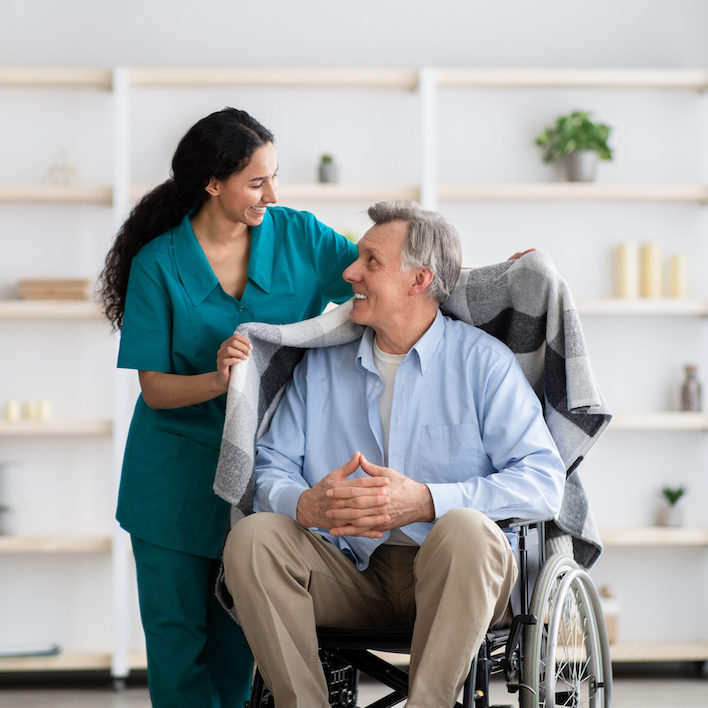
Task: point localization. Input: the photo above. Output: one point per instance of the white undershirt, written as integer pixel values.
(387, 365)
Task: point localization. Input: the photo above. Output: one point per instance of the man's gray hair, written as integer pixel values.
(432, 242)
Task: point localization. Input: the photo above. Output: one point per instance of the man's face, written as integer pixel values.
(381, 289)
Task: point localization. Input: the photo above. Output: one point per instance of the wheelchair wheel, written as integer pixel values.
(566, 659)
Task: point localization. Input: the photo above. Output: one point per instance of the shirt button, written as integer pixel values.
(240, 309)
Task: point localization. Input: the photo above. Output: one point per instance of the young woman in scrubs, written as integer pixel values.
(200, 254)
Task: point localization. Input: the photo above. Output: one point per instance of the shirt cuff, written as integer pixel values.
(287, 501)
(447, 497)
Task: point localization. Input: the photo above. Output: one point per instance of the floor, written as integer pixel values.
(663, 686)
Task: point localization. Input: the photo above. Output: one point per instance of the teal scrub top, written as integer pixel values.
(176, 317)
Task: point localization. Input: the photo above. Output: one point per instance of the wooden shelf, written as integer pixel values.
(55, 194)
(268, 78)
(654, 307)
(684, 79)
(655, 536)
(658, 651)
(69, 661)
(679, 79)
(56, 77)
(50, 309)
(669, 421)
(21, 545)
(573, 192)
(26, 428)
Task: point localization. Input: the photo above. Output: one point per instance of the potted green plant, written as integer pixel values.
(671, 512)
(327, 169)
(7, 520)
(578, 142)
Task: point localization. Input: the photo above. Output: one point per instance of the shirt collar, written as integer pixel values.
(424, 348)
(194, 269)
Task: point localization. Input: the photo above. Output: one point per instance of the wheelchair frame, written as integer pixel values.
(559, 624)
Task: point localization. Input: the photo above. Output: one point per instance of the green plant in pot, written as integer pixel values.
(327, 169)
(6, 520)
(670, 513)
(578, 142)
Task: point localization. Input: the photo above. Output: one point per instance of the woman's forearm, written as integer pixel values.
(162, 390)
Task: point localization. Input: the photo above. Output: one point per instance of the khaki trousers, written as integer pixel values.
(286, 580)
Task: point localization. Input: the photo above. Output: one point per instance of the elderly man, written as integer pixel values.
(383, 471)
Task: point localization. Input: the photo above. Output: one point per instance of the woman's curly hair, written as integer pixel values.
(216, 146)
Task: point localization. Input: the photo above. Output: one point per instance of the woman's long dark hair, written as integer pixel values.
(216, 146)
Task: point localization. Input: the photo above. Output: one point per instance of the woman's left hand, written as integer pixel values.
(233, 351)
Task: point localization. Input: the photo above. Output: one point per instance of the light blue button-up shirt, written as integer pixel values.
(464, 421)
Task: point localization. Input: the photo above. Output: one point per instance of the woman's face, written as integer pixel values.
(244, 196)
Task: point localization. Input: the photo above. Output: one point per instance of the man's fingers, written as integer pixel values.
(367, 526)
(347, 468)
(358, 507)
(361, 486)
(353, 531)
(370, 500)
(370, 468)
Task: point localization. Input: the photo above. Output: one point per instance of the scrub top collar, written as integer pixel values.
(424, 348)
(260, 261)
(195, 270)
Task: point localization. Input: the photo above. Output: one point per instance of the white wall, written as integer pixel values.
(363, 33)
(484, 135)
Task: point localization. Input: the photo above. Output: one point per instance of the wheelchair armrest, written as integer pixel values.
(513, 522)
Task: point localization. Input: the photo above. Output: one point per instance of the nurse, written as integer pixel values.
(201, 253)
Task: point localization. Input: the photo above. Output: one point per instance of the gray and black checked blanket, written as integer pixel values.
(524, 303)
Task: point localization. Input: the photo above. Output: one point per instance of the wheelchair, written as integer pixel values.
(555, 652)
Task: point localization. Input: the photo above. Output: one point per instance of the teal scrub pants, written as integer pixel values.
(197, 654)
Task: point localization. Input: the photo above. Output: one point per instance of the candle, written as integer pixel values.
(650, 257)
(679, 276)
(12, 411)
(628, 270)
(30, 410)
(44, 409)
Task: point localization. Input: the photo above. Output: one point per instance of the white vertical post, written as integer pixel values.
(121, 388)
(428, 139)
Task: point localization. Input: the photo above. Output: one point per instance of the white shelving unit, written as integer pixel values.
(432, 189)
(80, 438)
(574, 192)
(54, 544)
(651, 307)
(49, 309)
(671, 421)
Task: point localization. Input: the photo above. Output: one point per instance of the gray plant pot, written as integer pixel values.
(328, 172)
(8, 521)
(668, 515)
(581, 166)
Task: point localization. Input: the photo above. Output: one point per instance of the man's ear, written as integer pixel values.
(213, 187)
(423, 278)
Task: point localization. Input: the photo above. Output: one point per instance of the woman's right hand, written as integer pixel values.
(233, 351)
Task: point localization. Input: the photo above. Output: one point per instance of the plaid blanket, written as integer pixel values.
(524, 303)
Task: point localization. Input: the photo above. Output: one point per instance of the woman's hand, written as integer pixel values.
(518, 254)
(233, 351)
